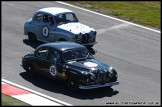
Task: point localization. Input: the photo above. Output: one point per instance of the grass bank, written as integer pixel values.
(10, 101)
(141, 12)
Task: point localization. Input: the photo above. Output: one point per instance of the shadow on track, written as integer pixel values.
(58, 86)
(37, 43)
(32, 44)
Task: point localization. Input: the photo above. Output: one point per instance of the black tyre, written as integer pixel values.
(30, 70)
(89, 46)
(73, 84)
(108, 87)
(62, 39)
(32, 37)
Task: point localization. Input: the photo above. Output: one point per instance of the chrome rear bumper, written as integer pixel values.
(98, 85)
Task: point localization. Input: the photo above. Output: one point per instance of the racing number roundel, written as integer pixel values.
(45, 31)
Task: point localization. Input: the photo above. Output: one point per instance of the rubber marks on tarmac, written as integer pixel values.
(26, 96)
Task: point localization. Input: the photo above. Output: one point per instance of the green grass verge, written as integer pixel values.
(141, 12)
(10, 101)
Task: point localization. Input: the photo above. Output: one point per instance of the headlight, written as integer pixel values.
(111, 72)
(110, 69)
(76, 37)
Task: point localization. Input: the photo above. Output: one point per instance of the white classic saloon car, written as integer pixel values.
(58, 24)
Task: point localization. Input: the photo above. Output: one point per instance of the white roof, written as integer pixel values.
(54, 10)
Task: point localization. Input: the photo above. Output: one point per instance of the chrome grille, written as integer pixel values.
(85, 38)
(101, 76)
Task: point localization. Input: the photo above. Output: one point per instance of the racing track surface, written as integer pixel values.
(133, 51)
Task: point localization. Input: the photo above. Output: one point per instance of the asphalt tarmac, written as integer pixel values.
(133, 51)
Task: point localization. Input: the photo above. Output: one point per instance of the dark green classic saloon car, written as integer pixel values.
(71, 62)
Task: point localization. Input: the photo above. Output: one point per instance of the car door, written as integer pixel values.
(61, 34)
(47, 28)
(37, 23)
(41, 63)
(54, 60)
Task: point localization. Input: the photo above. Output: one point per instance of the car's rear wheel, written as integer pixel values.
(32, 36)
(30, 70)
(73, 84)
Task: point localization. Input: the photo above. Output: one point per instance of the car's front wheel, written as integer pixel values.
(89, 46)
(32, 37)
(62, 39)
(73, 84)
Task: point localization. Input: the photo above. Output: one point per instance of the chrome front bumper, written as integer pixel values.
(98, 85)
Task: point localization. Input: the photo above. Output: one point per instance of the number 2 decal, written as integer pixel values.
(45, 31)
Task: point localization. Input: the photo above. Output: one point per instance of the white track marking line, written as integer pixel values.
(35, 92)
(109, 17)
(100, 31)
(35, 100)
(2, 83)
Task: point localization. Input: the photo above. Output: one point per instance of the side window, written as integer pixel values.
(48, 19)
(69, 17)
(69, 55)
(42, 53)
(54, 56)
(60, 18)
(39, 17)
(45, 18)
